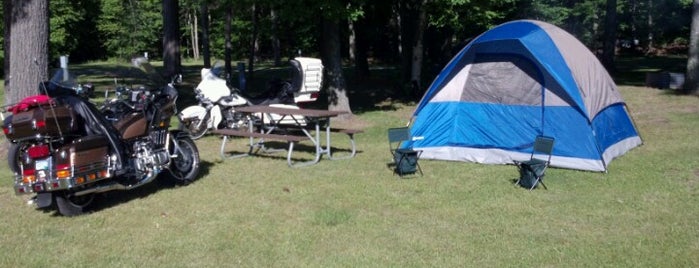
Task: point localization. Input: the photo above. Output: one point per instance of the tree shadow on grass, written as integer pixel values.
(110, 199)
(632, 71)
(382, 90)
(278, 150)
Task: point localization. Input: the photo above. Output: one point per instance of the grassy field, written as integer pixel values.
(257, 212)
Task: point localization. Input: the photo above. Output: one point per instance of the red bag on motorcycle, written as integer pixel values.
(30, 102)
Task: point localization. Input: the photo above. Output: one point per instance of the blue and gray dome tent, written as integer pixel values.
(514, 82)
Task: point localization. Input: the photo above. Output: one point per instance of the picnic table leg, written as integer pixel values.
(327, 140)
(288, 154)
(320, 150)
(316, 142)
(299, 164)
(223, 147)
(353, 148)
(223, 150)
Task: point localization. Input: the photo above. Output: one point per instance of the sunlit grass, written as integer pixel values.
(257, 212)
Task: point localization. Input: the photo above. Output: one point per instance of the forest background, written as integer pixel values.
(372, 33)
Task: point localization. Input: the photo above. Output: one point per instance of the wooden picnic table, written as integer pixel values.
(274, 119)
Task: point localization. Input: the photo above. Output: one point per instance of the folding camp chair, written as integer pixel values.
(405, 160)
(531, 172)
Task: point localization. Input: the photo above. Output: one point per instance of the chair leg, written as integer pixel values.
(534, 184)
(541, 180)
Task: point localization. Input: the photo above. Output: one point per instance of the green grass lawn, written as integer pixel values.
(257, 212)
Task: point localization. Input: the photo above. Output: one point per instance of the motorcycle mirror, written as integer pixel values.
(177, 79)
(138, 61)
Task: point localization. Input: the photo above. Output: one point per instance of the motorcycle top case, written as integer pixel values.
(308, 76)
(40, 122)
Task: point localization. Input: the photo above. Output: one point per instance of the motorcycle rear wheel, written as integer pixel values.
(184, 168)
(71, 205)
(14, 156)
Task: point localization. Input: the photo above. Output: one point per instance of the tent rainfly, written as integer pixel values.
(516, 81)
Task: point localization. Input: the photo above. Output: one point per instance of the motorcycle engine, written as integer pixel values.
(147, 158)
(235, 120)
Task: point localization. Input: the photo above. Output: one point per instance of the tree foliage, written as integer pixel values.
(99, 29)
(129, 28)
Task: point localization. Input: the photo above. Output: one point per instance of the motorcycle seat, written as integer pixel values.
(227, 101)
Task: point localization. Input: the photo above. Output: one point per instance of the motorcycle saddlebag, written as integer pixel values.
(41, 121)
(90, 150)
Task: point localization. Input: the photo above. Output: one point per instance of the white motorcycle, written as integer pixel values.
(218, 103)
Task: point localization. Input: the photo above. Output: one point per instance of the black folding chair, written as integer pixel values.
(405, 160)
(532, 171)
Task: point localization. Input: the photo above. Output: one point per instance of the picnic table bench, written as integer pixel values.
(290, 139)
(292, 133)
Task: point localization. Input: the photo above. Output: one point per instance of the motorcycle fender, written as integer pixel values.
(216, 117)
(43, 200)
(194, 111)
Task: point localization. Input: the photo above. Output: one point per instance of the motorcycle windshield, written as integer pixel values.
(218, 70)
(63, 82)
(151, 76)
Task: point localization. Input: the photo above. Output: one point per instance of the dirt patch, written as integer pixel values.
(4, 144)
(691, 109)
(350, 121)
(694, 181)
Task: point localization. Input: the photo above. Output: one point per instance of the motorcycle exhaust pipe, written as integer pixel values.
(118, 186)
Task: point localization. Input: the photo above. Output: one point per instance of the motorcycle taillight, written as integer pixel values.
(39, 124)
(6, 130)
(62, 171)
(38, 151)
(28, 176)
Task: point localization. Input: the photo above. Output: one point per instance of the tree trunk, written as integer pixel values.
(332, 60)
(276, 47)
(29, 50)
(195, 36)
(407, 29)
(691, 83)
(650, 48)
(205, 33)
(253, 43)
(352, 40)
(171, 38)
(609, 46)
(361, 63)
(7, 20)
(229, 46)
(418, 51)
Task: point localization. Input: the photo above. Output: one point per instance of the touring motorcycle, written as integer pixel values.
(217, 102)
(65, 149)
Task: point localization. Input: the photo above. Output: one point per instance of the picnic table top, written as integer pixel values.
(289, 111)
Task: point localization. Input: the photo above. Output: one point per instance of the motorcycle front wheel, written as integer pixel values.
(195, 127)
(72, 205)
(184, 166)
